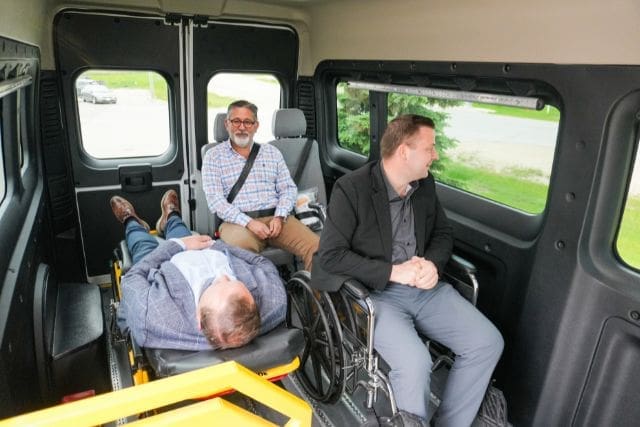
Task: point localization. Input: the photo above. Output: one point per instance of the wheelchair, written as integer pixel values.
(339, 357)
(272, 356)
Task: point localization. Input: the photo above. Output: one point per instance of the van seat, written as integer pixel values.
(289, 127)
(220, 134)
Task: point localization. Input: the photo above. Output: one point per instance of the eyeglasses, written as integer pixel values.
(246, 122)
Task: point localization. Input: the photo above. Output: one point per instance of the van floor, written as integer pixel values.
(347, 411)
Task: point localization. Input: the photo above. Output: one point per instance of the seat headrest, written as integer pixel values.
(288, 123)
(219, 131)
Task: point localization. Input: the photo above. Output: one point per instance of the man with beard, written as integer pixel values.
(259, 213)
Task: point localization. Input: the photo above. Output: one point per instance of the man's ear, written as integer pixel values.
(402, 151)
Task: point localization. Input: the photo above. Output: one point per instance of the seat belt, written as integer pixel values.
(245, 173)
(241, 179)
(302, 161)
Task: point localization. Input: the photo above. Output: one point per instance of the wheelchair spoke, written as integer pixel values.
(317, 372)
(321, 362)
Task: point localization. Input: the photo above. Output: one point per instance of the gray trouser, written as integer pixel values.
(444, 316)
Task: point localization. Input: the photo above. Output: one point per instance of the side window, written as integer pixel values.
(353, 118)
(263, 90)
(628, 241)
(498, 152)
(123, 114)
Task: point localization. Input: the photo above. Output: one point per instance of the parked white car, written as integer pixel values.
(98, 94)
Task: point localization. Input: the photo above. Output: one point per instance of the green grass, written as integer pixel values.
(628, 243)
(548, 113)
(513, 188)
(517, 188)
(218, 101)
(267, 78)
(132, 80)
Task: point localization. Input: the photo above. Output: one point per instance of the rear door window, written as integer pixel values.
(123, 114)
(263, 90)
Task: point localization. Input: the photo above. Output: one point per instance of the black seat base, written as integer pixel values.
(278, 347)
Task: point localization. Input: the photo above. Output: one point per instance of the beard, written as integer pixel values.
(241, 141)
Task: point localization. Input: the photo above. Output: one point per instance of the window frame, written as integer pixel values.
(516, 224)
(110, 163)
(630, 167)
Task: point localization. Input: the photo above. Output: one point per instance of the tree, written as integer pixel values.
(353, 119)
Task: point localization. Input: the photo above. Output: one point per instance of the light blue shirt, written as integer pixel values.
(201, 268)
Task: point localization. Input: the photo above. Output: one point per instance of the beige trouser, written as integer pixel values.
(295, 237)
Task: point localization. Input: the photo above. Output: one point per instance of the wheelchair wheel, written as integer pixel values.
(322, 362)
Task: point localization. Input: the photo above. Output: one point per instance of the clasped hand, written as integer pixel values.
(418, 272)
(264, 231)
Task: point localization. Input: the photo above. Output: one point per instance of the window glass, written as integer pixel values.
(628, 242)
(501, 153)
(263, 90)
(123, 113)
(353, 118)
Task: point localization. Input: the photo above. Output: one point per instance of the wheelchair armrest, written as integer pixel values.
(355, 289)
(462, 275)
(461, 264)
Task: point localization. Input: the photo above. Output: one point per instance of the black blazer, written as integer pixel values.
(356, 240)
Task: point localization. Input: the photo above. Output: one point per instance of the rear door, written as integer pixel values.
(122, 95)
(139, 96)
(231, 61)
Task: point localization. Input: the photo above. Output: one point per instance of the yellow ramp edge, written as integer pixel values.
(191, 385)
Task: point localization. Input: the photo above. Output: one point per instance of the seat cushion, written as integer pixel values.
(278, 347)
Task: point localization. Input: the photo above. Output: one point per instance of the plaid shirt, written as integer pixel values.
(268, 185)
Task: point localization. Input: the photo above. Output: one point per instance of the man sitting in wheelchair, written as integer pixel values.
(189, 292)
(387, 229)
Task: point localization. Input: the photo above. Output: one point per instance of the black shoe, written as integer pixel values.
(403, 419)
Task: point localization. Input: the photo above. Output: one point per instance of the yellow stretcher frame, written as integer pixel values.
(191, 385)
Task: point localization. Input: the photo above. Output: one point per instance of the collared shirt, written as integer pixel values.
(268, 185)
(201, 268)
(403, 235)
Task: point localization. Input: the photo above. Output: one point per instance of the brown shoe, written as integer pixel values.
(123, 210)
(168, 204)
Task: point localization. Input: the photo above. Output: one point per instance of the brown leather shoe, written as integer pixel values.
(123, 210)
(169, 203)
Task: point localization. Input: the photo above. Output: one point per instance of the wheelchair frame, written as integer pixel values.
(351, 325)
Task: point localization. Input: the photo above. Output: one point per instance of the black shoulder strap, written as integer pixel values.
(245, 172)
(302, 161)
